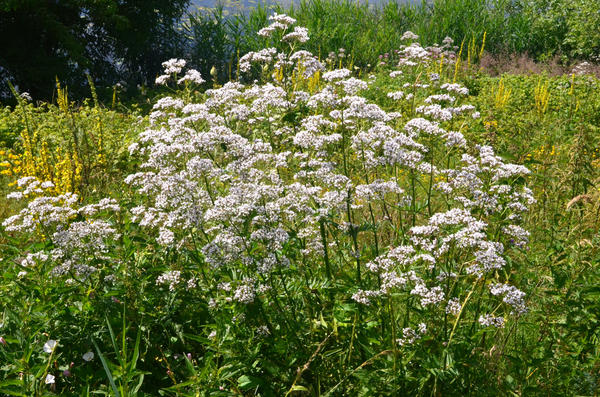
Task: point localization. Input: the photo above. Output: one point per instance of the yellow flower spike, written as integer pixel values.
(542, 97)
(501, 96)
(470, 51)
(457, 63)
(62, 97)
(482, 45)
(572, 84)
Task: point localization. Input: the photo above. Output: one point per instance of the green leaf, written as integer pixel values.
(112, 337)
(6, 389)
(139, 385)
(246, 382)
(9, 392)
(299, 388)
(105, 365)
(136, 350)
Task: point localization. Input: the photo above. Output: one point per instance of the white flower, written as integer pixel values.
(409, 36)
(337, 74)
(244, 293)
(457, 88)
(264, 56)
(165, 237)
(363, 296)
(396, 95)
(192, 76)
(282, 18)
(49, 379)
(49, 346)
(488, 320)
(89, 356)
(162, 79)
(171, 277)
(299, 34)
(173, 65)
(453, 306)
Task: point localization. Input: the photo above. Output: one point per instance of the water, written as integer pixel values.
(232, 6)
(236, 5)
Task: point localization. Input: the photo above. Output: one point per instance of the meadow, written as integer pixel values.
(299, 222)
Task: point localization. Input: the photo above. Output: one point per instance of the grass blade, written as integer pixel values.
(105, 365)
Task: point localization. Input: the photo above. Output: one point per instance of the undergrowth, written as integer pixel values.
(307, 229)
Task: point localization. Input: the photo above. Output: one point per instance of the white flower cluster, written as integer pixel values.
(414, 55)
(306, 62)
(29, 186)
(488, 320)
(410, 335)
(337, 74)
(456, 88)
(453, 306)
(244, 293)
(409, 36)
(511, 295)
(193, 76)
(261, 180)
(440, 98)
(364, 296)
(175, 66)
(77, 235)
(42, 213)
(299, 34)
(171, 278)
(264, 57)
(280, 22)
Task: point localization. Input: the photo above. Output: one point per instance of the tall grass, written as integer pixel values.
(365, 31)
(534, 27)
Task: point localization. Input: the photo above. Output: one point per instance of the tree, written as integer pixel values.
(112, 40)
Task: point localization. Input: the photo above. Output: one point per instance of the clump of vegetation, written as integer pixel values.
(538, 29)
(114, 41)
(122, 42)
(311, 228)
(78, 148)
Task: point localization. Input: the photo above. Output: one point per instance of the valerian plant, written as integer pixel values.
(319, 243)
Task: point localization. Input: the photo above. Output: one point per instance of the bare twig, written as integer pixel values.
(307, 364)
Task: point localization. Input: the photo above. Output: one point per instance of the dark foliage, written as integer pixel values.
(112, 40)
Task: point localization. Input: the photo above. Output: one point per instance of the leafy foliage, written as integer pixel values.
(111, 40)
(262, 242)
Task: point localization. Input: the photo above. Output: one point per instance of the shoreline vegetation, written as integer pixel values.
(305, 205)
(555, 36)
